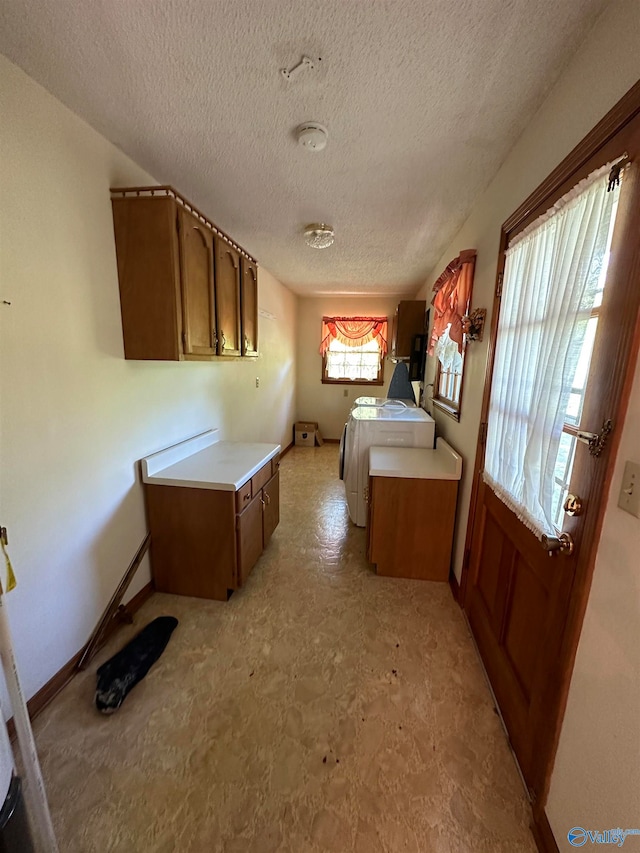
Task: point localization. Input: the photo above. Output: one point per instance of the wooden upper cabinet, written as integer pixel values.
(249, 305)
(228, 298)
(180, 280)
(198, 301)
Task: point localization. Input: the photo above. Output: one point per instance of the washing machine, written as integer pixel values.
(370, 426)
(382, 401)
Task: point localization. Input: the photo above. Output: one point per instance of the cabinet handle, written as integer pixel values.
(263, 504)
(268, 499)
(224, 340)
(246, 497)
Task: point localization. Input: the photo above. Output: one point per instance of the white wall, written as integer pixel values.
(74, 415)
(597, 774)
(328, 404)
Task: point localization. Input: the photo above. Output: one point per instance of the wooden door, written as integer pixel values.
(271, 517)
(228, 298)
(198, 306)
(249, 537)
(525, 605)
(249, 302)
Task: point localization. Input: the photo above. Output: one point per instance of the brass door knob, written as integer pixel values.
(563, 544)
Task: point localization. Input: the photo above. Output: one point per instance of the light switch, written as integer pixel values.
(629, 499)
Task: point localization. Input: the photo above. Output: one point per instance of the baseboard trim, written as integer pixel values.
(455, 587)
(542, 833)
(331, 440)
(286, 450)
(63, 676)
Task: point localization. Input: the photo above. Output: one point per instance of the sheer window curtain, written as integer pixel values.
(550, 281)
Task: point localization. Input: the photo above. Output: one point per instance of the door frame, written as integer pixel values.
(609, 133)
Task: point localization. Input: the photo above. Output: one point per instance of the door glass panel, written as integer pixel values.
(562, 476)
(576, 397)
(568, 442)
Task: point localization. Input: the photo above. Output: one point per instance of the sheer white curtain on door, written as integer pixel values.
(550, 281)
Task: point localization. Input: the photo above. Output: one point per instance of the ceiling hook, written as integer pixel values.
(305, 62)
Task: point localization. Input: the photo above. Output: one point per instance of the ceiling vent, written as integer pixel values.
(312, 136)
(319, 236)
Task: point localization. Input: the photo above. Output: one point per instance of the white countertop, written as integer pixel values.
(417, 463)
(204, 462)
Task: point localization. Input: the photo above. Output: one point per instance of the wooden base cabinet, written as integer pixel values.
(410, 527)
(205, 542)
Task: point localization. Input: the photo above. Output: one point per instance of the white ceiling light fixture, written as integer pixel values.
(312, 136)
(319, 236)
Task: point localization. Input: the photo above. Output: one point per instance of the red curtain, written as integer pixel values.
(354, 331)
(452, 298)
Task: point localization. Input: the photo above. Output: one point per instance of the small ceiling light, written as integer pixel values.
(312, 136)
(319, 236)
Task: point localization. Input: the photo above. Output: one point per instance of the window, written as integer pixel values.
(451, 305)
(448, 381)
(353, 350)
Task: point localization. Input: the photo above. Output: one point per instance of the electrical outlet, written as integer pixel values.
(629, 498)
(345, 392)
(257, 381)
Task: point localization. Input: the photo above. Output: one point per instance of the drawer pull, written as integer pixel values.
(246, 497)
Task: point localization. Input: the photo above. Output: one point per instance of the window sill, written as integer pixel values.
(352, 381)
(448, 408)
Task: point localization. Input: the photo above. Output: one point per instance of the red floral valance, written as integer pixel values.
(452, 298)
(354, 331)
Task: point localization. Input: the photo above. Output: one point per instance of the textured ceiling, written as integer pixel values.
(422, 99)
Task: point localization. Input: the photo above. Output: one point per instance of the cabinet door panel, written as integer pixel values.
(193, 547)
(406, 513)
(249, 538)
(196, 243)
(227, 298)
(249, 308)
(148, 275)
(271, 493)
(408, 321)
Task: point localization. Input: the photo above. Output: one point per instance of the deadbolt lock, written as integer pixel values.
(573, 505)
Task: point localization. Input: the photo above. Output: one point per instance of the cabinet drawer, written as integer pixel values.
(243, 496)
(261, 478)
(275, 464)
